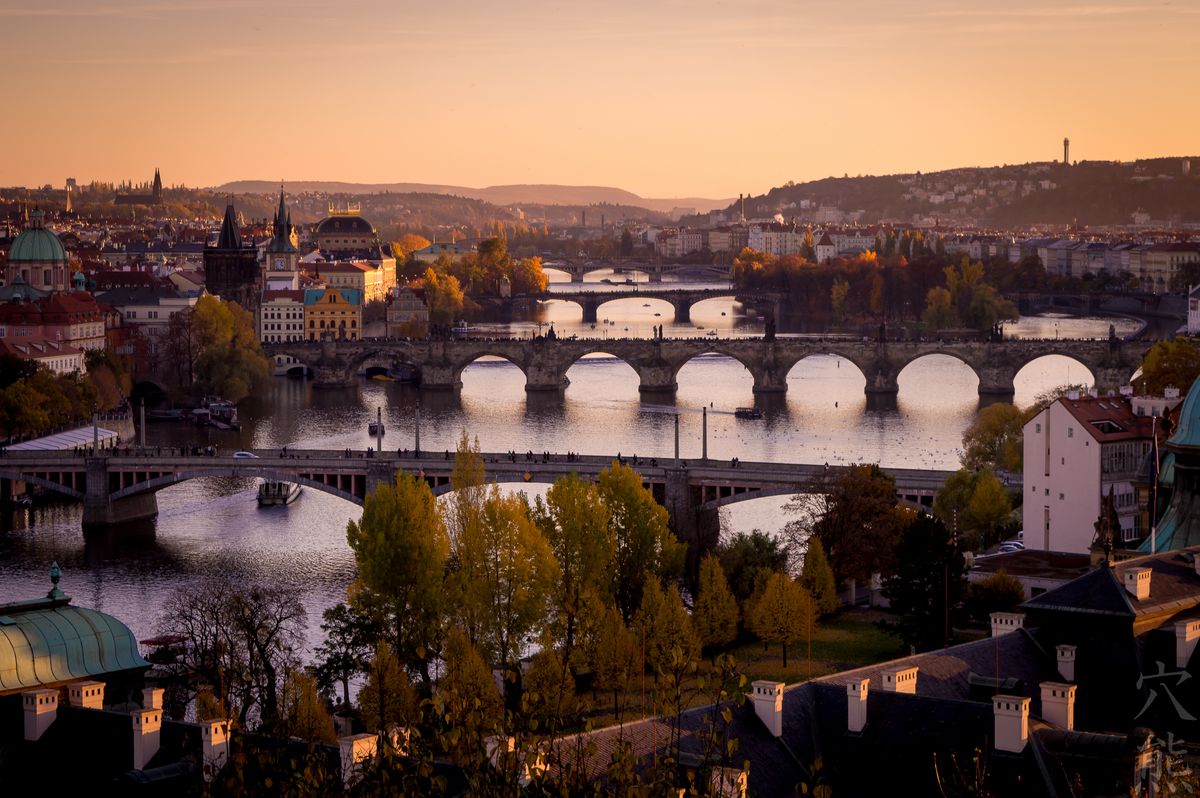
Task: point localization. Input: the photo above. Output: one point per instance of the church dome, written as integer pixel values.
(345, 225)
(36, 244)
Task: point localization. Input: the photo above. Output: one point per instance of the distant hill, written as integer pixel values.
(534, 194)
(1149, 191)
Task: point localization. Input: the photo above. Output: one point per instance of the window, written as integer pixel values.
(1037, 427)
(1070, 432)
(1061, 497)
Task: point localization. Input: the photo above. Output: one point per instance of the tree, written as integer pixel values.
(549, 688)
(444, 296)
(468, 695)
(973, 502)
(783, 612)
(400, 546)
(939, 309)
(1170, 364)
(404, 247)
(506, 573)
(837, 297)
(644, 547)
(21, 410)
(817, 577)
(716, 611)
(303, 714)
(387, 699)
(575, 520)
(994, 439)
(928, 583)
(999, 592)
(663, 627)
(343, 654)
(222, 347)
(615, 656)
(626, 242)
(853, 511)
(527, 277)
(748, 559)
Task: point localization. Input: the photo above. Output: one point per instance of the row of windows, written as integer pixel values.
(289, 315)
(283, 326)
(313, 325)
(277, 339)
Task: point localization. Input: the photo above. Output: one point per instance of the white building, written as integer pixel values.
(281, 319)
(1076, 451)
(1193, 317)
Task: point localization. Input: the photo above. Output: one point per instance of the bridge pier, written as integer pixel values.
(545, 377)
(996, 381)
(438, 377)
(1111, 378)
(881, 381)
(590, 311)
(656, 378)
(100, 509)
(683, 310)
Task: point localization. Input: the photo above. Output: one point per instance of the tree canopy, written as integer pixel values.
(1170, 364)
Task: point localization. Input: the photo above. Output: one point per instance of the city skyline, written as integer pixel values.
(667, 100)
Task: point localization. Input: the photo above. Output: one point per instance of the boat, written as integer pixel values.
(711, 333)
(384, 378)
(164, 415)
(646, 305)
(657, 314)
(748, 412)
(272, 492)
(629, 281)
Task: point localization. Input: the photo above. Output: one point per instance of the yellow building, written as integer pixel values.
(332, 314)
(356, 275)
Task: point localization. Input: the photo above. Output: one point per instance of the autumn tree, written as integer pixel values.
(816, 577)
(1170, 364)
(927, 584)
(644, 546)
(400, 546)
(549, 688)
(975, 503)
(444, 296)
(576, 522)
(837, 297)
(716, 611)
(343, 654)
(994, 439)
(303, 714)
(939, 310)
(853, 511)
(228, 359)
(663, 626)
(1000, 592)
(387, 699)
(404, 247)
(748, 559)
(783, 612)
(615, 656)
(527, 276)
(468, 696)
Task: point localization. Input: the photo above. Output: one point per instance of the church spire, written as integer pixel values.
(231, 236)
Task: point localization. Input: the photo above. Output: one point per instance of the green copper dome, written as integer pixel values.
(37, 244)
(1188, 431)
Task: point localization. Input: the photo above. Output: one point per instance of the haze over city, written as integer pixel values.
(663, 99)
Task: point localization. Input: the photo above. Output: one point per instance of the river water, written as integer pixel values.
(214, 526)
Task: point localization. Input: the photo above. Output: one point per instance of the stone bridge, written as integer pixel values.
(578, 267)
(121, 487)
(545, 362)
(681, 300)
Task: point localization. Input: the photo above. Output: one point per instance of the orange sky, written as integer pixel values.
(661, 97)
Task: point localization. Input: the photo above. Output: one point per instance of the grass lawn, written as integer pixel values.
(848, 639)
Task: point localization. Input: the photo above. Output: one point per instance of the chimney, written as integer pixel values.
(1005, 622)
(89, 695)
(1011, 714)
(1073, 395)
(900, 680)
(1058, 704)
(152, 698)
(214, 742)
(41, 708)
(856, 704)
(1137, 583)
(1186, 635)
(146, 726)
(354, 750)
(1066, 662)
(768, 705)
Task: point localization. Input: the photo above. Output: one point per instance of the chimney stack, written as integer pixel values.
(768, 705)
(41, 708)
(1058, 704)
(1005, 622)
(152, 698)
(214, 741)
(900, 680)
(1066, 662)
(1186, 635)
(354, 750)
(1137, 583)
(147, 724)
(856, 704)
(89, 695)
(1011, 715)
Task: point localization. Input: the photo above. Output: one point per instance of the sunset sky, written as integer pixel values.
(662, 97)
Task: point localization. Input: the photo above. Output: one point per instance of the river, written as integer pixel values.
(214, 526)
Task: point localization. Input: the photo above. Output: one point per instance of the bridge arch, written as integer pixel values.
(48, 484)
(606, 380)
(958, 358)
(830, 351)
(1045, 372)
(473, 357)
(753, 372)
(167, 480)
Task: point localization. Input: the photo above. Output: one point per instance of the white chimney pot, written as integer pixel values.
(1011, 717)
(1137, 583)
(1187, 633)
(1066, 662)
(768, 705)
(1005, 622)
(856, 704)
(901, 680)
(40, 709)
(89, 694)
(147, 723)
(1058, 704)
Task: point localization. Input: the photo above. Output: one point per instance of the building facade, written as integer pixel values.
(332, 314)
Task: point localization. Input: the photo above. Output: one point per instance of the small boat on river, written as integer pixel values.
(272, 492)
(748, 412)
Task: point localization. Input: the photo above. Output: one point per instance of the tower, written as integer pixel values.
(281, 255)
(231, 268)
(157, 187)
(1066, 152)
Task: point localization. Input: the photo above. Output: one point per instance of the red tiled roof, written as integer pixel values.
(1107, 419)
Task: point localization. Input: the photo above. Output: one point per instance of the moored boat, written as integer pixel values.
(748, 412)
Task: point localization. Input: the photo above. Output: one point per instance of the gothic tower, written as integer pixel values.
(231, 267)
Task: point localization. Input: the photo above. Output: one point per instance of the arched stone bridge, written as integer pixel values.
(681, 300)
(118, 488)
(657, 362)
(578, 267)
